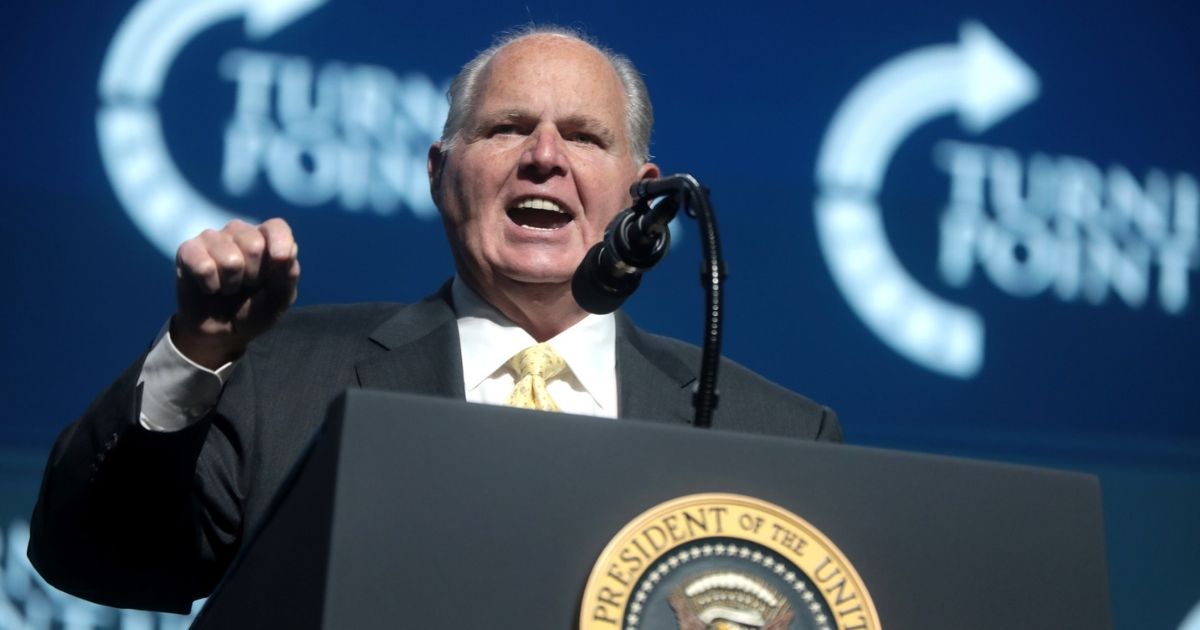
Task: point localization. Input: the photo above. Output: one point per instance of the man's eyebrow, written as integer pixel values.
(591, 124)
(485, 119)
(505, 114)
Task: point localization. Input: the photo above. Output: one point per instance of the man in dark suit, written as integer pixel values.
(149, 495)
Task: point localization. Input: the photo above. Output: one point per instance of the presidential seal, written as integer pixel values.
(724, 562)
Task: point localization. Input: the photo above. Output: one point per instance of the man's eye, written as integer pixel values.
(585, 138)
(503, 130)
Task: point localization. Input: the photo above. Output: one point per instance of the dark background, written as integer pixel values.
(743, 96)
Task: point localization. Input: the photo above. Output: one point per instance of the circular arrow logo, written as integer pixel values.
(160, 201)
(982, 81)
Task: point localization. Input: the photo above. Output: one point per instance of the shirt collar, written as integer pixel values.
(488, 340)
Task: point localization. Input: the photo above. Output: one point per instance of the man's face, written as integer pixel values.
(541, 166)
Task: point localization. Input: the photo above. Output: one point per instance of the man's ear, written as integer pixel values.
(649, 170)
(435, 163)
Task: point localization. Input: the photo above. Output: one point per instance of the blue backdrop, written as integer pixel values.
(969, 227)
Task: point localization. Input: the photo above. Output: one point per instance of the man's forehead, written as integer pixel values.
(539, 73)
(541, 54)
(547, 45)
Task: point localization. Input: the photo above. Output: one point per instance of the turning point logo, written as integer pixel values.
(1033, 225)
(354, 135)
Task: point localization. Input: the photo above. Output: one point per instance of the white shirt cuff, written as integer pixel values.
(177, 392)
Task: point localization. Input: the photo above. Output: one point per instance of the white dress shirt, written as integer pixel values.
(177, 392)
(488, 340)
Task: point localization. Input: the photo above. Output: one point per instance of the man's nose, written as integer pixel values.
(546, 154)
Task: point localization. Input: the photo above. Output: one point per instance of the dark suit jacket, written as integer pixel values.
(131, 518)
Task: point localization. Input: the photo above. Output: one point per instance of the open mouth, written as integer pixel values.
(539, 214)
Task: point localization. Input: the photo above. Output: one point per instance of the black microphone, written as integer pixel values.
(661, 186)
(634, 241)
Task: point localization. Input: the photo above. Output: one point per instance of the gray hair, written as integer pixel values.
(464, 90)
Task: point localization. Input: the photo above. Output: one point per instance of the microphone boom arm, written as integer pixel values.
(636, 240)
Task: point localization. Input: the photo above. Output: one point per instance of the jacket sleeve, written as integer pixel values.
(118, 520)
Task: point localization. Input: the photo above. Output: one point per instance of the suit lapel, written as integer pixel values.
(652, 383)
(423, 355)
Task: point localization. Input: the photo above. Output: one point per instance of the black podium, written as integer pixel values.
(420, 512)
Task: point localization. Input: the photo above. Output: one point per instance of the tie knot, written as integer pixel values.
(539, 361)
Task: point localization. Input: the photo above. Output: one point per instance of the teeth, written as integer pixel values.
(540, 204)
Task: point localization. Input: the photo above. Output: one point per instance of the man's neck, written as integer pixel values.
(541, 309)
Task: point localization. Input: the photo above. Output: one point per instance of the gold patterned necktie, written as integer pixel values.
(534, 366)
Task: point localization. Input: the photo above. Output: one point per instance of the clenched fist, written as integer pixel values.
(231, 285)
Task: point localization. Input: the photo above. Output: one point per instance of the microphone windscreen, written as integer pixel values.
(597, 287)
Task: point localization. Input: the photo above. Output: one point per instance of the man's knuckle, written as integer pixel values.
(201, 271)
(254, 244)
(188, 249)
(230, 262)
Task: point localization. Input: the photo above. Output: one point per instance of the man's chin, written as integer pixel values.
(534, 277)
(538, 270)
(539, 278)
